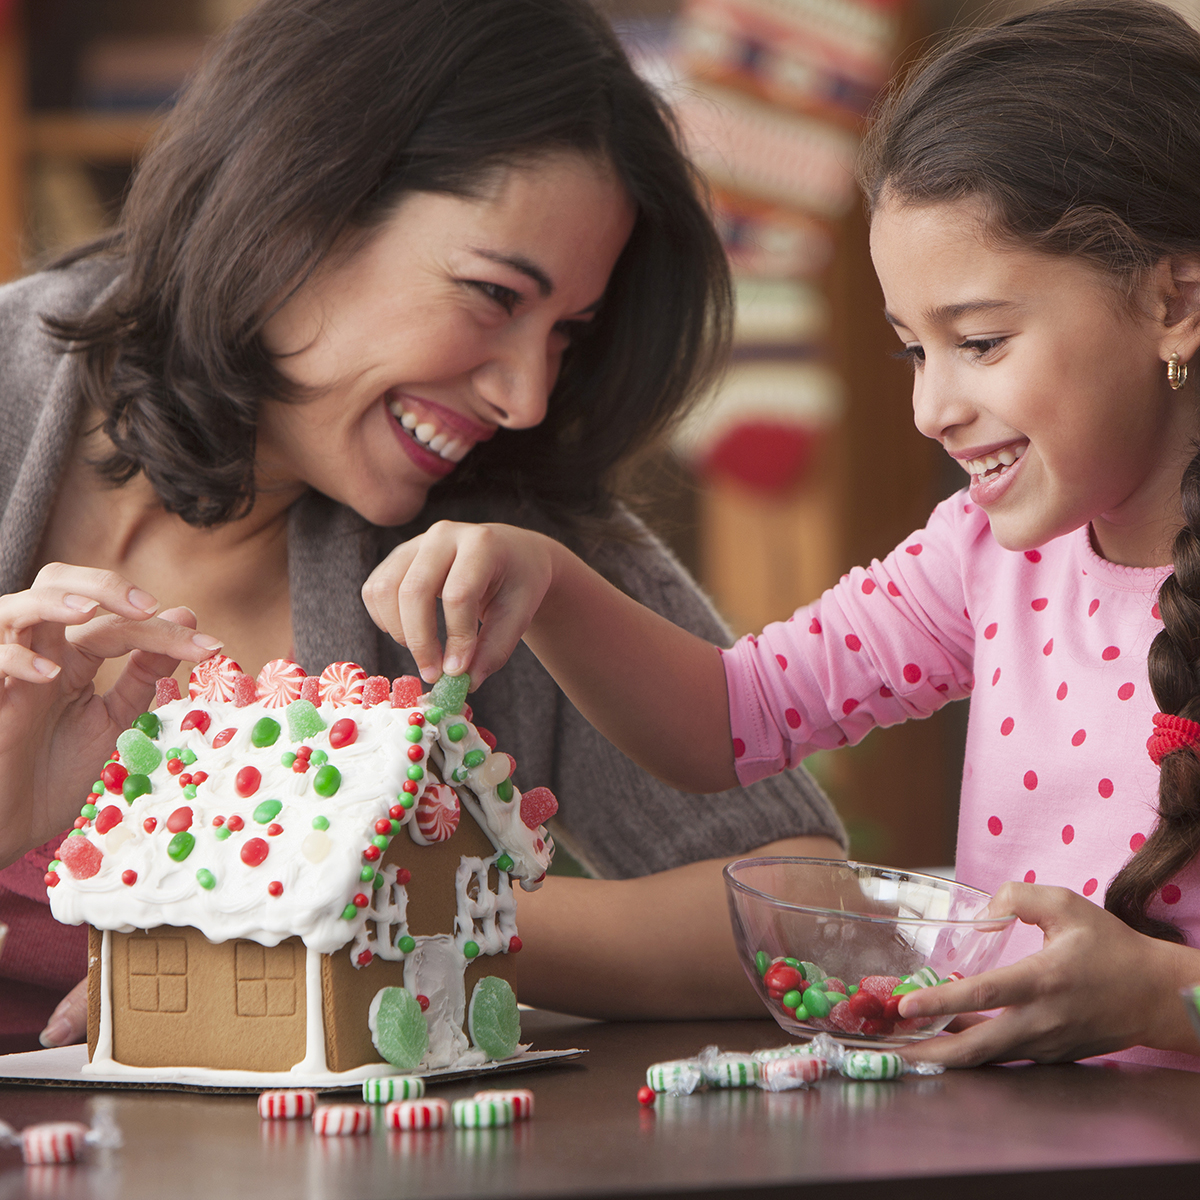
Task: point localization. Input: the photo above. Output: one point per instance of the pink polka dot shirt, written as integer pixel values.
(1051, 647)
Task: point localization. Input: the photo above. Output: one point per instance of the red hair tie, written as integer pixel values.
(1171, 733)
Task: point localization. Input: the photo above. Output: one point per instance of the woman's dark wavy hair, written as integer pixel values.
(1078, 128)
(306, 125)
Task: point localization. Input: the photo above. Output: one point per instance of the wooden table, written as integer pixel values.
(1026, 1132)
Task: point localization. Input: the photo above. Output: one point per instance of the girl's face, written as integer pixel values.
(1041, 380)
(449, 324)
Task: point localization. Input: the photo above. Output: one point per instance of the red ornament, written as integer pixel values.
(224, 737)
(275, 887)
(514, 944)
(423, 1001)
(247, 781)
(403, 877)
(254, 852)
(383, 826)
(129, 878)
(174, 765)
(235, 823)
(360, 901)
(343, 732)
(416, 753)
(646, 1096)
(371, 853)
(416, 718)
(150, 824)
(196, 719)
(113, 776)
(364, 958)
(180, 820)
(396, 812)
(106, 818)
(274, 830)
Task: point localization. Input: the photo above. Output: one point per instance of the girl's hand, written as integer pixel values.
(491, 580)
(1095, 987)
(55, 731)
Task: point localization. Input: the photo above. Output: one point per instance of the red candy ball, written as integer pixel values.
(342, 733)
(196, 719)
(360, 901)
(416, 753)
(275, 887)
(396, 812)
(235, 823)
(174, 765)
(106, 818)
(247, 781)
(514, 944)
(383, 826)
(150, 824)
(423, 1001)
(371, 853)
(646, 1096)
(404, 877)
(254, 852)
(114, 775)
(129, 878)
(274, 829)
(222, 739)
(180, 820)
(416, 718)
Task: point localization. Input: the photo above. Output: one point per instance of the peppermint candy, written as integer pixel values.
(436, 815)
(429, 1113)
(481, 1114)
(784, 1074)
(286, 1106)
(342, 1120)
(57, 1142)
(342, 683)
(521, 1100)
(393, 1087)
(871, 1064)
(680, 1077)
(214, 679)
(728, 1070)
(279, 682)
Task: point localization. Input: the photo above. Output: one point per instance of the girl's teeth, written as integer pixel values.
(425, 432)
(436, 443)
(409, 420)
(456, 451)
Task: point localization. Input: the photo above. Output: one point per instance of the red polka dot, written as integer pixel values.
(885, 692)
(1006, 726)
(1031, 877)
(1048, 648)
(1171, 893)
(990, 631)
(1077, 738)
(868, 586)
(1125, 691)
(1110, 652)
(914, 549)
(1033, 555)
(912, 673)
(842, 741)
(852, 643)
(781, 661)
(996, 677)
(1030, 780)
(1062, 690)
(995, 826)
(1038, 604)
(1095, 604)
(966, 614)
(1105, 788)
(1090, 887)
(1154, 611)
(968, 508)
(739, 747)
(849, 706)
(893, 590)
(1137, 842)
(1068, 834)
(793, 718)
(815, 627)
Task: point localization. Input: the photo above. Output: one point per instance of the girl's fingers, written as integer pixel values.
(112, 637)
(133, 691)
(381, 591)
(1015, 984)
(20, 662)
(110, 590)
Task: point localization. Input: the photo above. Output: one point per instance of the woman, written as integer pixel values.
(391, 261)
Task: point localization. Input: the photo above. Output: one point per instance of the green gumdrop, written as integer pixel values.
(450, 692)
(493, 1020)
(266, 732)
(812, 972)
(139, 755)
(148, 723)
(134, 786)
(303, 720)
(762, 960)
(398, 1027)
(817, 1003)
(327, 780)
(180, 846)
(267, 811)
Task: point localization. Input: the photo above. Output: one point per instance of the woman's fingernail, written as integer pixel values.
(453, 664)
(43, 666)
(79, 603)
(56, 1032)
(207, 643)
(142, 600)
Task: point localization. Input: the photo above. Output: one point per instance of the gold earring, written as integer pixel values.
(1176, 372)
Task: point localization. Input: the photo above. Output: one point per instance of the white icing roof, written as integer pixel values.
(319, 869)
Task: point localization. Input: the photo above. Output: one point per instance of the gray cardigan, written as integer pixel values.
(613, 817)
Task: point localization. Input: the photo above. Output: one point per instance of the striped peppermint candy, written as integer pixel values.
(481, 1114)
(436, 815)
(342, 683)
(521, 1100)
(341, 1120)
(286, 1106)
(429, 1113)
(279, 682)
(393, 1087)
(783, 1074)
(214, 679)
(56, 1142)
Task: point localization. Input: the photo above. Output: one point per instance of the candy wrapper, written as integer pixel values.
(61, 1141)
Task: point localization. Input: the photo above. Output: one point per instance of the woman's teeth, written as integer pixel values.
(426, 432)
(995, 463)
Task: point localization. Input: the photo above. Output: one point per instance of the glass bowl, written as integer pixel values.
(812, 933)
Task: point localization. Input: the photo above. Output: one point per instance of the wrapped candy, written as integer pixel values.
(61, 1141)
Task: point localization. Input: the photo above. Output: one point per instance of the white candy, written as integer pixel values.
(393, 1087)
(430, 1113)
(871, 1064)
(56, 1142)
(481, 1114)
(521, 1100)
(286, 1106)
(494, 769)
(680, 1077)
(731, 1070)
(796, 1050)
(783, 1074)
(926, 977)
(342, 1120)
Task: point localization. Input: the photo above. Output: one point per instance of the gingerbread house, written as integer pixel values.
(263, 860)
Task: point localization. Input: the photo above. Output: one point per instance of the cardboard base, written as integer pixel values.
(63, 1067)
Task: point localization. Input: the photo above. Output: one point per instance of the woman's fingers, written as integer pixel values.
(68, 1022)
(108, 589)
(112, 637)
(20, 662)
(134, 688)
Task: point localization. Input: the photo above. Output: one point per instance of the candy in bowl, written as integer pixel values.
(831, 946)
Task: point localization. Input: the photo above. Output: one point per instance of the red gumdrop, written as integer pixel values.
(468, 714)
(180, 820)
(880, 985)
(864, 1005)
(878, 1027)
(423, 1001)
(254, 852)
(224, 737)
(235, 823)
(342, 733)
(780, 977)
(165, 690)
(81, 857)
(106, 818)
(377, 690)
(196, 719)
(406, 691)
(843, 1017)
(247, 781)
(833, 985)
(487, 735)
(245, 691)
(512, 765)
(113, 776)
(891, 1008)
(514, 944)
(538, 805)
(646, 1095)
(310, 689)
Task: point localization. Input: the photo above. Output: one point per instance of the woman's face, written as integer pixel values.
(449, 324)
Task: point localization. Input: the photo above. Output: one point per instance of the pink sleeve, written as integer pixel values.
(885, 644)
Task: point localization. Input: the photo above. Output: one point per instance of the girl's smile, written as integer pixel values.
(1041, 379)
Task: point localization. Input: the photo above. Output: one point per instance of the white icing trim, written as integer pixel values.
(103, 1059)
(489, 920)
(314, 1061)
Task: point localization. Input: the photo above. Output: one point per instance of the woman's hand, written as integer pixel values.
(55, 731)
(1095, 987)
(491, 580)
(68, 1022)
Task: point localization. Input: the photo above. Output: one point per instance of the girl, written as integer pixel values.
(390, 260)
(1034, 193)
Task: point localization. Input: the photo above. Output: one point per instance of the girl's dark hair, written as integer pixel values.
(306, 125)
(1077, 128)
